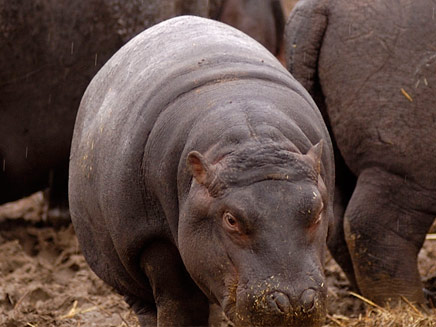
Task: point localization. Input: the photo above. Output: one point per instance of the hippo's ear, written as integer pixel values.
(199, 166)
(315, 153)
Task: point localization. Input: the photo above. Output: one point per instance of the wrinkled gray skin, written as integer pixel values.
(202, 171)
(263, 20)
(355, 58)
(49, 52)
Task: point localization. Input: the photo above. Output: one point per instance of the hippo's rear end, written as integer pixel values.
(201, 172)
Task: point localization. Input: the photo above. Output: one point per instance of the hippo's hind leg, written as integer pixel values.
(386, 221)
(179, 301)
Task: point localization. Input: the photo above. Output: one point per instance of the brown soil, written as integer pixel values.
(45, 281)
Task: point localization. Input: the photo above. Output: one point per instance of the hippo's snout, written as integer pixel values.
(281, 307)
(308, 300)
(279, 302)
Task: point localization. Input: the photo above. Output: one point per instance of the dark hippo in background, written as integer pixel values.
(196, 175)
(374, 65)
(263, 20)
(49, 52)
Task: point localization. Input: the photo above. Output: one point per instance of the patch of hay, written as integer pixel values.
(405, 314)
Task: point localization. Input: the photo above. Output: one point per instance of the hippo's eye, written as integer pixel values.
(230, 221)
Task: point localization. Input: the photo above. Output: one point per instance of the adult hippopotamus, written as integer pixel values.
(49, 52)
(263, 20)
(201, 170)
(372, 65)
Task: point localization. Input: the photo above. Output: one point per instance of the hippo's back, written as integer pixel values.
(377, 70)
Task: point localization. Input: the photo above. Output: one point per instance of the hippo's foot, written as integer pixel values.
(178, 300)
(385, 226)
(146, 313)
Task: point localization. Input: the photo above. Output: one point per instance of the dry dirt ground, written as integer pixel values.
(45, 281)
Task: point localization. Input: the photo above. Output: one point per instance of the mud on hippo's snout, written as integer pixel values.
(271, 304)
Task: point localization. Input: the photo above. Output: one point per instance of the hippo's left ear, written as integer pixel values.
(315, 153)
(199, 166)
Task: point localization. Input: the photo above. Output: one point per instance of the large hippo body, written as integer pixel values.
(372, 65)
(192, 96)
(50, 50)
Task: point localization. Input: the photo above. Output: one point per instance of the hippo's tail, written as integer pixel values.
(304, 33)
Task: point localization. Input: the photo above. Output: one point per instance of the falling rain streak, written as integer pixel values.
(95, 61)
(27, 150)
(4, 164)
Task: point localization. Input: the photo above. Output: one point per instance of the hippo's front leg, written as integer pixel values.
(178, 300)
(385, 226)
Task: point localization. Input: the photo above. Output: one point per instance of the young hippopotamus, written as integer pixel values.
(372, 66)
(201, 171)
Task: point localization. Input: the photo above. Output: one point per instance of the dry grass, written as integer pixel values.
(406, 314)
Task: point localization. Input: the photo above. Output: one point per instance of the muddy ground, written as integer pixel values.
(45, 281)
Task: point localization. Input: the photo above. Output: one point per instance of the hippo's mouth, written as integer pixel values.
(263, 303)
(230, 302)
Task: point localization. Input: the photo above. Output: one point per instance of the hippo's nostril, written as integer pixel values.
(281, 301)
(308, 299)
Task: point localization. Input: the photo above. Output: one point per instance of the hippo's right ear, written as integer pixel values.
(315, 153)
(199, 166)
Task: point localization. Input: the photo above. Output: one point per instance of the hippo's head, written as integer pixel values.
(252, 234)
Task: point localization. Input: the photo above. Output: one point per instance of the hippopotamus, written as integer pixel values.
(50, 52)
(202, 172)
(370, 65)
(263, 20)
